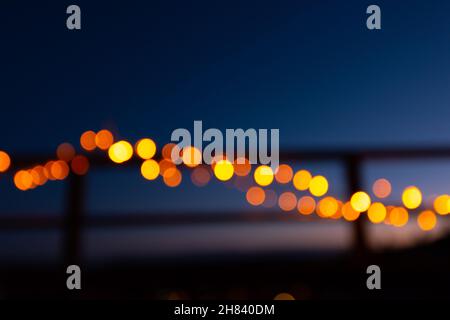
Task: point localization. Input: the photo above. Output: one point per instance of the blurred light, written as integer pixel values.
(442, 204)
(59, 170)
(328, 206)
(360, 201)
(87, 140)
(48, 170)
(5, 161)
(287, 201)
(172, 177)
(23, 180)
(255, 196)
(146, 148)
(284, 174)
(39, 176)
(301, 180)
(318, 186)
(283, 296)
(426, 220)
(79, 165)
(382, 188)
(349, 213)
(242, 167)
(338, 213)
(398, 217)
(377, 212)
(164, 165)
(200, 176)
(120, 151)
(192, 157)
(65, 152)
(104, 139)
(271, 199)
(263, 175)
(388, 214)
(306, 205)
(412, 197)
(167, 152)
(223, 170)
(35, 176)
(150, 169)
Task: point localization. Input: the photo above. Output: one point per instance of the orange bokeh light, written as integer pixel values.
(328, 206)
(65, 152)
(284, 174)
(200, 176)
(23, 180)
(382, 188)
(306, 205)
(80, 165)
(87, 140)
(59, 170)
(104, 139)
(302, 179)
(5, 161)
(172, 177)
(427, 220)
(255, 196)
(242, 167)
(398, 217)
(287, 201)
(349, 213)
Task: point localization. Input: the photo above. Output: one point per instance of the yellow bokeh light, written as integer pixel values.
(301, 180)
(349, 213)
(146, 148)
(192, 157)
(223, 170)
(120, 151)
(150, 169)
(263, 175)
(328, 206)
(412, 197)
(5, 161)
(377, 212)
(442, 204)
(318, 186)
(398, 217)
(360, 201)
(427, 220)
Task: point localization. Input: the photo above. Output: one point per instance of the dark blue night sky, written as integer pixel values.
(145, 68)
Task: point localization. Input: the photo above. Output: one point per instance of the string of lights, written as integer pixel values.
(313, 190)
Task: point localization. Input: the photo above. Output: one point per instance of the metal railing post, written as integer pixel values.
(73, 220)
